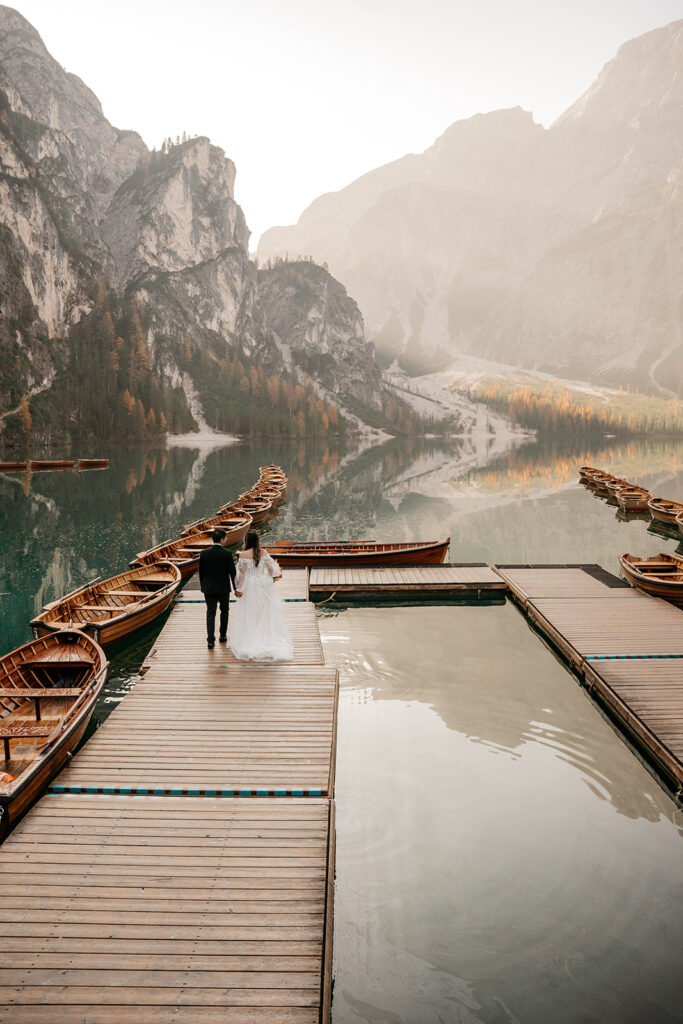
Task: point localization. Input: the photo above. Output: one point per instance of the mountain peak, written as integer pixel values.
(645, 73)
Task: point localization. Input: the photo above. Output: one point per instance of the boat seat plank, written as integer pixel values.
(40, 694)
(11, 732)
(15, 732)
(48, 691)
(129, 593)
(100, 607)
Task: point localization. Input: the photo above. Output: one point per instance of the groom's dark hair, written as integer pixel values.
(218, 535)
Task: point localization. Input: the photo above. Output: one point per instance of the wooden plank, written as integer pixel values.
(77, 1013)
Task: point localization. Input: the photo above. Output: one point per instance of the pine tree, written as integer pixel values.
(25, 416)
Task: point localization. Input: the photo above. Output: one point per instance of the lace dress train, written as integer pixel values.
(258, 630)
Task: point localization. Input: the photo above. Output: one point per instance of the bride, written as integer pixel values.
(258, 628)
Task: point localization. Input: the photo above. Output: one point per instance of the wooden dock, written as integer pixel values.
(416, 582)
(625, 645)
(182, 867)
(142, 909)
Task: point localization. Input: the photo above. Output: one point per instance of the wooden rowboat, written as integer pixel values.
(42, 465)
(359, 553)
(112, 609)
(659, 576)
(665, 511)
(585, 473)
(92, 464)
(633, 499)
(258, 508)
(270, 493)
(48, 690)
(616, 484)
(235, 524)
(183, 552)
(13, 467)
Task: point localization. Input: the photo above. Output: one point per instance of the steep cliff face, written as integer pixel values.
(125, 275)
(319, 327)
(552, 249)
(176, 211)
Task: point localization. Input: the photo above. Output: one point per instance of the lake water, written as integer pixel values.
(502, 855)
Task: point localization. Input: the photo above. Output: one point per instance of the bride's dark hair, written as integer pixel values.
(251, 541)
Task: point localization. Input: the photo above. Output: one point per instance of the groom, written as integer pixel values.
(216, 572)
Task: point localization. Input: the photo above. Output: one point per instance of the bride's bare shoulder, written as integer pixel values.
(245, 554)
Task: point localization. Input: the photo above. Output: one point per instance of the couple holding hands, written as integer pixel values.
(259, 631)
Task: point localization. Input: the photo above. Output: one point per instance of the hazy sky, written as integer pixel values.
(306, 95)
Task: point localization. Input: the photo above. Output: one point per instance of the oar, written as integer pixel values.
(73, 593)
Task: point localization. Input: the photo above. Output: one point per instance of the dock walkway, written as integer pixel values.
(625, 645)
(182, 867)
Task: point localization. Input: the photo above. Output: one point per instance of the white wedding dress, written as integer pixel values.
(258, 631)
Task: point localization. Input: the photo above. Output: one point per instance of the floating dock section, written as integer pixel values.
(182, 867)
(625, 645)
(415, 582)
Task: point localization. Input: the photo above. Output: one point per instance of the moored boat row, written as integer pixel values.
(236, 517)
(658, 575)
(633, 498)
(48, 687)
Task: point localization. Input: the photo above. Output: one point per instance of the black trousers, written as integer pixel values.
(212, 601)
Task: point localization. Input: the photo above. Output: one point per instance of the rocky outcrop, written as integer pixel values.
(100, 236)
(176, 211)
(550, 249)
(317, 326)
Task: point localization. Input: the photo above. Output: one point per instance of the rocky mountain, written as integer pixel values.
(128, 301)
(557, 250)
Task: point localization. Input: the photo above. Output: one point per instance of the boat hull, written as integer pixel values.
(433, 554)
(634, 501)
(13, 808)
(13, 467)
(44, 465)
(663, 514)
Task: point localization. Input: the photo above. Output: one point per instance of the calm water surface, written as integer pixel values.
(502, 855)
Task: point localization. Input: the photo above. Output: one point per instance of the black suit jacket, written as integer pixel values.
(216, 570)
